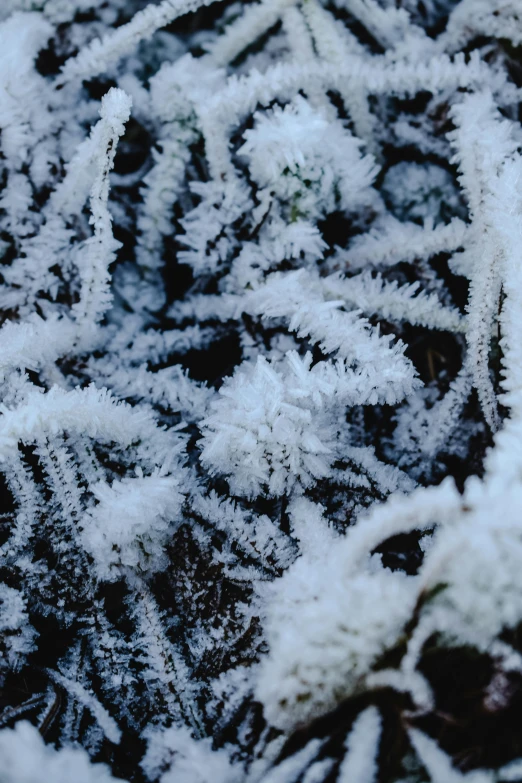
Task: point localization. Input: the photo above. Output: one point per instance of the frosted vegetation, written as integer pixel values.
(261, 391)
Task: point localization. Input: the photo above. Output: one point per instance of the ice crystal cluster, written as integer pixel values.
(261, 391)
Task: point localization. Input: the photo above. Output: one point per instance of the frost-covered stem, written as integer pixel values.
(101, 54)
(390, 26)
(92, 412)
(393, 302)
(298, 36)
(362, 746)
(252, 23)
(503, 463)
(482, 310)
(59, 467)
(90, 702)
(471, 19)
(442, 419)
(30, 511)
(398, 241)
(162, 186)
(51, 246)
(485, 145)
(333, 47)
(165, 662)
(420, 510)
(99, 252)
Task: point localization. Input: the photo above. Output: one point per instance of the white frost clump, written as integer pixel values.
(262, 433)
(131, 523)
(304, 157)
(187, 760)
(477, 560)
(25, 758)
(327, 627)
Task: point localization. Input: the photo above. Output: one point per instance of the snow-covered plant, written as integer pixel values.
(260, 391)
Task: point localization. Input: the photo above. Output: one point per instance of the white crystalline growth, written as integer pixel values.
(288, 147)
(131, 523)
(327, 627)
